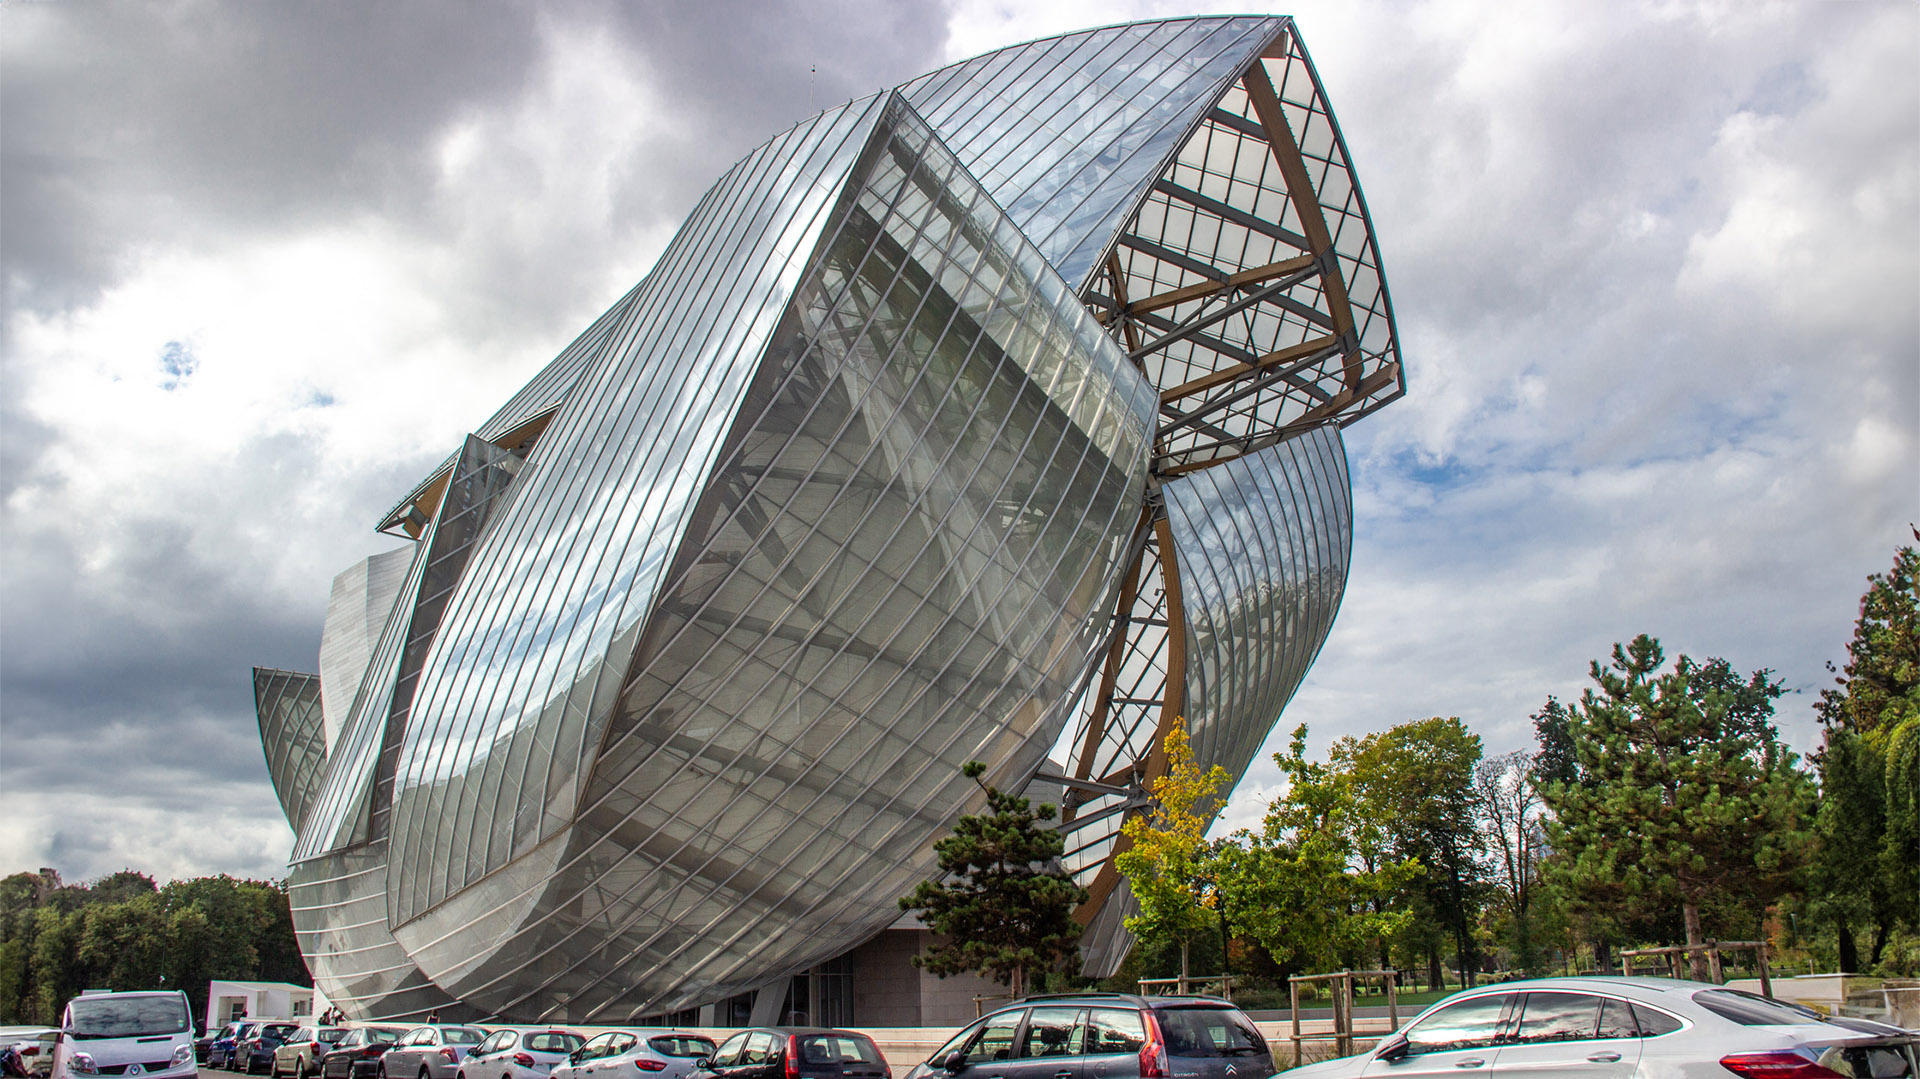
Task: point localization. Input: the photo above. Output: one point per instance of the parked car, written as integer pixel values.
(300, 1054)
(623, 1054)
(1628, 1028)
(203, 1045)
(519, 1054)
(795, 1053)
(1104, 1036)
(137, 1033)
(357, 1056)
(253, 1054)
(430, 1052)
(220, 1052)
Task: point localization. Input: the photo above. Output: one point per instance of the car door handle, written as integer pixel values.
(1471, 1062)
(1063, 1075)
(1604, 1058)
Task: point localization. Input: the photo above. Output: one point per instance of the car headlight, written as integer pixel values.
(82, 1064)
(182, 1055)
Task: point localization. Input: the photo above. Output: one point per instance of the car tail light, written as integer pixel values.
(793, 1056)
(372, 1051)
(1153, 1055)
(523, 1060)
(1780, 1064)
(646, 1065)
(452, 1054)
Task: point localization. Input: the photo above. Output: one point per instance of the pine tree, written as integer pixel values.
(1004, 906)
(1683, 790)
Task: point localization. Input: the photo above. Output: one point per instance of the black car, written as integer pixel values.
(790, 1052)
(1110, 1035)
(357, 1056)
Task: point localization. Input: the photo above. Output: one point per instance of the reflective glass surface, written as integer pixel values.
(288, 705)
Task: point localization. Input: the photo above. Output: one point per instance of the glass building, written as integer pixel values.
(996, 417)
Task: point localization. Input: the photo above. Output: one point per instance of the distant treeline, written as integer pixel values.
(123, 932)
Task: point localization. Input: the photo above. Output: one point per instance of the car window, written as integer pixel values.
(622, 1042)
(681, 1045)
(493, 1043)
(995, 1040)
(1464, 1024)
(838, 1049)
(1115, 1030)
(553, 1041)
(1652, 1022)
(330, 1034)
(1752, 1011)
(1557, 1017)
(1616, 1020)
(463, 1035)
(729, 1052)
(1208, 1032)
(759, 1048)
(597, 1048)
(1051, 1032)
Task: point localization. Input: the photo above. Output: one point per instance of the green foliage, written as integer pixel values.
(1169, 863)
(1315, 886)
(1004, 906)
(1865, 873)
(124, 933)
(1681, 789)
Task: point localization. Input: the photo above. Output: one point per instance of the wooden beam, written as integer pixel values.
(1209, 288)
(1372, 384)
(1235, 372)
(1119, 278)
(1110, 674)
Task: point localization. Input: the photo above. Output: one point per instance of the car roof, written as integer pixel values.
(1130, 999)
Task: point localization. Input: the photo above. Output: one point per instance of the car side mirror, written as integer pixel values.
(703, 1062)
(956, 1061)
(1393, 1048)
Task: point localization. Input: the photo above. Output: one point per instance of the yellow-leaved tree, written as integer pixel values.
(1167, 861)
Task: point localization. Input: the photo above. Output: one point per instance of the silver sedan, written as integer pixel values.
(1627, 1028)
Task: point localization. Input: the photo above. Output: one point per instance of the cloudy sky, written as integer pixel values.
(1657, 268)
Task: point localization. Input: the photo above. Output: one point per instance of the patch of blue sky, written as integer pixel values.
(178, 362)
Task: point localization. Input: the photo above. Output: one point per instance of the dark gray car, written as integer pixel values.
(1105, 1036)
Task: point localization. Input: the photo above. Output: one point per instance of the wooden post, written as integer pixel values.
(1760, 960)
(1343, 1014)
(1673, 962)
(1713, 961)
(1293, 986)
(1393, 1004)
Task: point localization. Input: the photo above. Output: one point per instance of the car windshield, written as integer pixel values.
(129, 1017)
(1749, 1010)
(1208, 1032)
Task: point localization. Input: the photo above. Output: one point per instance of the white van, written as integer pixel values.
(129, 1034)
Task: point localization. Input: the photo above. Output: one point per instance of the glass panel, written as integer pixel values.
(1468, 1024)
(1558, 1017)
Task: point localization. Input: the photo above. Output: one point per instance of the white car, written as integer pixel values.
(127, 1034)
(651, 1053)
(519, 1054)
(1627, 1028)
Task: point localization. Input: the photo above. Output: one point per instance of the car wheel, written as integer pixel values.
(300, 1069)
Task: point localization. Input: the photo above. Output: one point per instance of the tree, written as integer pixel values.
(1415, 781)
(1315, 887)
(1682, 790)
(1005, 905)
(1168, 861)
(1510, 817)
(1870, 770)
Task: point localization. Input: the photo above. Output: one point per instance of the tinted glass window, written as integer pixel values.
(1557, 1017)
(995, 1040)
(1616, 1020)
(331, 1034)
(837, 1049)
(759, 1048)
(1052, 1032)
(730, 1050)
(554, 1041)
(620, 1043)
(462, 1035)
(681, 1045)
(1208, 1032)
(1653, 1022)
(1750, 1010)
(1467, 1024)
(1115, 1030)
(601, 1045)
